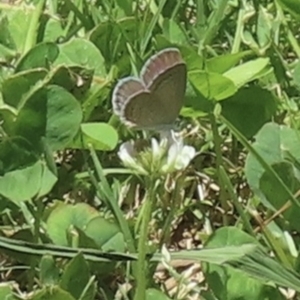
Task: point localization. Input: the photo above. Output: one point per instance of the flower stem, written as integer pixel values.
(219, 161)
(142, 264)
(176, 199)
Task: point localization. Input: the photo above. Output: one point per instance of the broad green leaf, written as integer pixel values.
(174, 33)
(81, 52)
(52, 293)
(277, 197)
(75, 80)
(228, 283)
(248, 71)
(16, 87)
(126, 6)
(53, 30)
(48, 180)
(23, 184)
(195, 105)
(223, 63)
(32, 118)
(76, 276)
(249, 109)
(49, 112)
(7, 116)
(276, 144)
(63, 117)
(14, 27)
(16, 153)
(212, 85)
(49, 272)
(193, 60)
(154, 294)
(292, 6)
(100, 135)
(40, 56)
(66, 217)
(105, 232)
(6, 291)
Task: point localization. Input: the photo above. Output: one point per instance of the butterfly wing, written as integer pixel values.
(126, 91)
(165, 76)
(154, 101)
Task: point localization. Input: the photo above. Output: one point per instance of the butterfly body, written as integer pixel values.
(154, 100)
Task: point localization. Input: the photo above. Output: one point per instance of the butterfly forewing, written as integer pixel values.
(160, 63)
(168, 91)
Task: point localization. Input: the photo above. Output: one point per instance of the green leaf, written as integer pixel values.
(228, 283)
(49, 273)
(196, 105)
(65, 217)
(16, 87)
(48, 180)
(49, 112)
(223, 63)
(277, 197)
(212, 85)
(6, 291)
(126, 6)
(63, 117)
(106, 234)
(53, 30)
(100, 135)
(52, 293)
(76, 276)
(248, 71)
(16, 153)
(249, 109)
(12, 34)
(259, 265)
(75, 80)
(32, 118)
(23, 184)
(292, 6)
(275, 144)
(81, 52)
(154, 294)
(174, 33)
(8, 115)
(40, 56)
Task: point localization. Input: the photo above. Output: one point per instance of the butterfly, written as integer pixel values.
(153, 101)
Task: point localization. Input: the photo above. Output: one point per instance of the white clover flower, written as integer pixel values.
(128, 156)
(165, 156)
(179, 156)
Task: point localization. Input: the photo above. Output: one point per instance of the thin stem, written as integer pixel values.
(142, 263)
(234, 198)
(174, 206)
(238, 32)
(111, 200)
(219, 161)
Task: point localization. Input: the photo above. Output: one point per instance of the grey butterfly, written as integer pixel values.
(154, 100)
